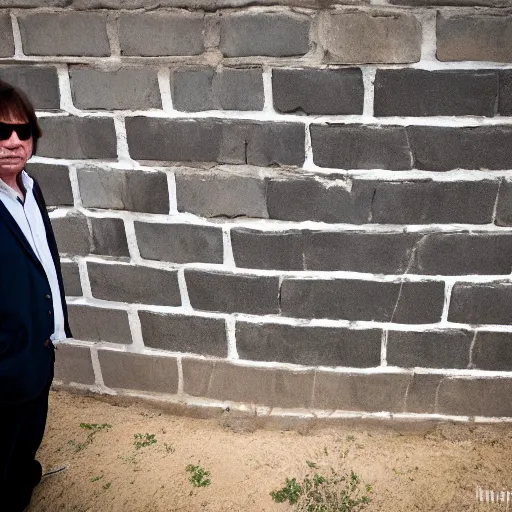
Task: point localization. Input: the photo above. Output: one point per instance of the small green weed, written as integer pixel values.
(143, 440)
(107, 486)
(93, 428)
(97, 477)
(198, 476)
(320, 493)
(169, 448)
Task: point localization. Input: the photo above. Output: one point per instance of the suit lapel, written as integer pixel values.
(7, 218)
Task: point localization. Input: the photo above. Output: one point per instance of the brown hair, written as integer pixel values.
(14, 104)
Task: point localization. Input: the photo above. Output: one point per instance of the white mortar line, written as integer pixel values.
(135, 328)
(384, 348)
(268, 105)
(231, 337)
(98, 376)
(369, 90)
(449, 284)
(309, 164)
(75, 188)
(185, 299)
(164, 83)
(173, 199)
(84, 278)
(66, 96)
(428, 21)
(180, 392)
(471, 364)
(131, 238)
(229, 259)
(495, 208)
(16, 32)
(113, 35)
(123, 152)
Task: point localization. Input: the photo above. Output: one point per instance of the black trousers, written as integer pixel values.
(21, 432)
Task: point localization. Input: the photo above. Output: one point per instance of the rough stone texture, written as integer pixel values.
(108, 237)
(135, 284)
(504, 212)
(54, 182)
(139, 372)
(213, 291)
(505, 95)
(351, 392)
(319, 199)
(40, 84)
(73, 364)
(481, 303)
(492, 351)
(474, 37)
(356, 146)
(269, 34)
(268, 250)
(72, 234)
(483, 253)
(188, 334)
(90, 323)
(309, 346)
(179, 243)
(425, 202)
(151, 34)
(458, 3)
(438, 148)
(7, 40)
(370, 37)
(215, 140)
(132, 190)
(77, 138)
(220, 194)
(475, 396)
(421, 393)
(206, 89)
(429, 349)
(378, 253)
(71, 278)
(318, 91)
(408, 302)
(128, 88)
(416, 92)
(229, 382)
(64, 33)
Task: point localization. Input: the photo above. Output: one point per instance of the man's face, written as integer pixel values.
(14, 152)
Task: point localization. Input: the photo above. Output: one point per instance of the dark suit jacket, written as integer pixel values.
(26, 310)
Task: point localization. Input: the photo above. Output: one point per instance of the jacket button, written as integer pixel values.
(48, 296)
(50, 312)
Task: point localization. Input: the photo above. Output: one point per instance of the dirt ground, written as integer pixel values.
(436, 469)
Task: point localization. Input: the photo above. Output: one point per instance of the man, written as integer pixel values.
(32, 307)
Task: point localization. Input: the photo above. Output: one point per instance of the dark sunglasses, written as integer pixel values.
(24, 131)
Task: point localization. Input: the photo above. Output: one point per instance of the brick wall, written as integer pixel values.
(302, 208)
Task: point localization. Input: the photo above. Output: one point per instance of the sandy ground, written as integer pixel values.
(437, 468)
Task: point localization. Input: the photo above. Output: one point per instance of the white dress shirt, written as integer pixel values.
(29, 219)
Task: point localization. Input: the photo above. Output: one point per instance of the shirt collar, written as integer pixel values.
(27, 181)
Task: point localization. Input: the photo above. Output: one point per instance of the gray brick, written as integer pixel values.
(54, 182)
(378, 253)
(229, 293)
(476, 254)
(90, 323)
(458, 3)
(475, 396)
(474, 37)
(323, 200)
(279, 250)
(39, 83)
(318, 91)
(35, 3)
(370, 37)
(269, 34)
(416, 92)
(408, 302)
(351, 392)
(505, 94)
(125, 88)
(481, 303)
(265, 386)
(73, 364)
(108, 237)
(429, 349)
(425, 202)
(220, 194)
(139, 372)
(309, 346)
(71, 278)
(438, 148)
(179, 243)
(421, 393)
(72, 234)
(134, 284)
(355, 146)
(206, 89)
(170, 34)
(492, 351)
(132, 190)
(504, 212)
(7, 40)
(210, 140)
(178, 333)
(77, 137)
(64, 33)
